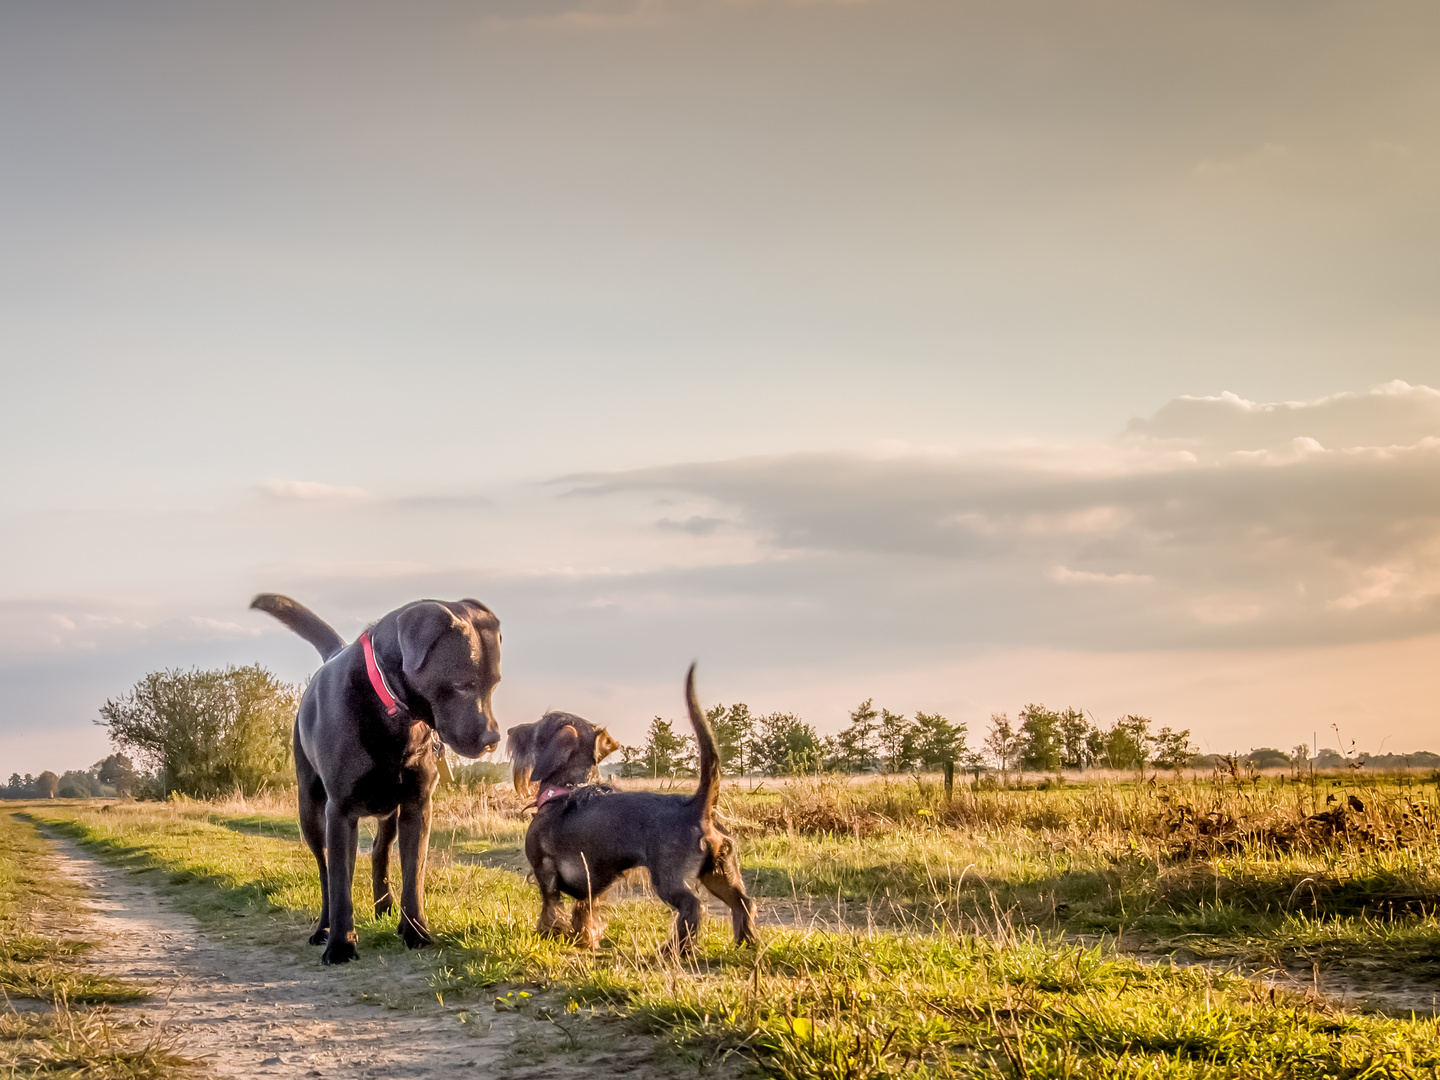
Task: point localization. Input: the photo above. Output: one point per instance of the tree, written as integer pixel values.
(1002, 745)
(1300, 757)
(118, 771)
(666, 753)
(76, 784)
(1077, 747)
(208, 732)
(733, 728)
(785, 745)
(896, 737)
(1127, 744)
(47, 785)
(938, 741)
(854, 749)
(632, 761)
(1173, 749)
(1266, 757)
(1040, 745)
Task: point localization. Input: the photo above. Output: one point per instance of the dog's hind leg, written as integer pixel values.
(312, 827)
(414, 843)
(723, 881)
(675, 891)
(385, 829)
(342, 831)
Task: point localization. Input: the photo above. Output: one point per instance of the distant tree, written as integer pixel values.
(47, 785)
(896, 735)
(733, 728)
(632, 761)
(785, 745)
(1127, 744)
(938, 741)
(1172, 749)
(1078, 747)
(1299, 756)
(1330, 758)
(76, 784)
(855, 748)
(1041, 748)
(1003, 745)
(1266, 757)
(118, 771)
(666, 753)
(208, 732)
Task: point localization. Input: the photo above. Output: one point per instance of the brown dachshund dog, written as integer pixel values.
(584, 835)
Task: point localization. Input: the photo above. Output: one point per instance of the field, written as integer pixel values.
(1108, 928)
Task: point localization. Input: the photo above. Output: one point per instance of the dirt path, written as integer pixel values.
(252, 1011)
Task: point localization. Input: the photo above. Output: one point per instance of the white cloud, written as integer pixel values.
(310, 491)
(1066, 576)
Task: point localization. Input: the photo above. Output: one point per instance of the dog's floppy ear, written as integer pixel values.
(419, 627)
(521, 747)
(605, 745)
(554, 751)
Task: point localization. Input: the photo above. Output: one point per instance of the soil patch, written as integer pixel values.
(248, 1010)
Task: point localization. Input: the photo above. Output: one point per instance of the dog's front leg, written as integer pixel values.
(414, 844)
(342, 833)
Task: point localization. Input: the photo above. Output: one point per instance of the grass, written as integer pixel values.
(969, 937)
(73, 1032)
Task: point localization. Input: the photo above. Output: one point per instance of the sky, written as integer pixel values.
(955, 355)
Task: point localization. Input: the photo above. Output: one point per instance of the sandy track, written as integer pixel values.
(248, 1010)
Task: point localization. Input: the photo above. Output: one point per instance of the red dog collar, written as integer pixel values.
(551, 793)
(377, 678)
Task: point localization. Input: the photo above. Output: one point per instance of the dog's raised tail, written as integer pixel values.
(709, 790)
(303, 621)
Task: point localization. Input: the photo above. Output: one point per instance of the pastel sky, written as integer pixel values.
(958, 355)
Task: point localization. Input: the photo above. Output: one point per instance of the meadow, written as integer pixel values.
(1178, 927)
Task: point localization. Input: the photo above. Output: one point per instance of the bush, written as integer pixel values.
(209, 732)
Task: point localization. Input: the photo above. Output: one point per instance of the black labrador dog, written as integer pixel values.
(584, 836)
(364, 744)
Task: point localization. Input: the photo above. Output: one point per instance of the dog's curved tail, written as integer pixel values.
(709, 789)
(303, 621)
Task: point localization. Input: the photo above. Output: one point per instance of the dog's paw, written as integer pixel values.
(382, 907)
(415, 934)
(339, 952)
(320, 936)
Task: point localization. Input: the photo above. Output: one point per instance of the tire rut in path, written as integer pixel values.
(250, 1011)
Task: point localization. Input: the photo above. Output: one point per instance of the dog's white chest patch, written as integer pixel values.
(574, 873)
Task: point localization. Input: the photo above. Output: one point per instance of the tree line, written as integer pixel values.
(114, 775)
(1039, 740)
(205, 733)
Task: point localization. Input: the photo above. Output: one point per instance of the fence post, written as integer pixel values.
(949, 780)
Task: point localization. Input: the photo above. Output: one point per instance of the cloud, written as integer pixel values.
(1394, 414)
(1248, 523)
(1065, 576)
(1262, 154)
(310, 491)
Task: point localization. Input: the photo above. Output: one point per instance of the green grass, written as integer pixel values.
(75, 1034)
(1257, 880)
(962, 962)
